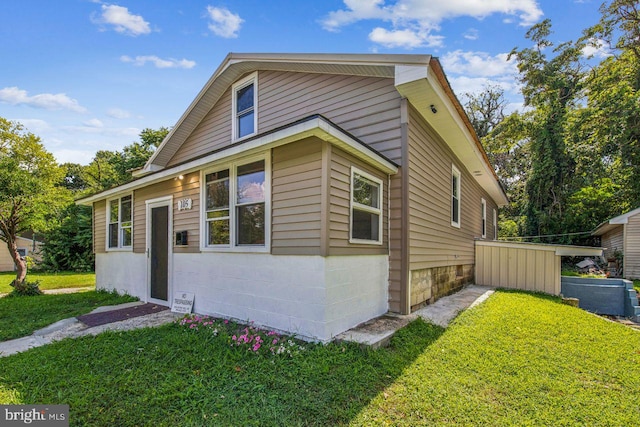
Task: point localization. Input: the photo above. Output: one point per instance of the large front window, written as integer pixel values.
(120, 223)
(366, 208)
(235, 205)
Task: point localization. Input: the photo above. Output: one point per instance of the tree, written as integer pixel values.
(29, 191)
(485, 109)
(551, 86)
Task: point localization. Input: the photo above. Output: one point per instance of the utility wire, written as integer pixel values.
(546, 235)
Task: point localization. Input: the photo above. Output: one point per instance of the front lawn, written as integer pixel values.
(50, 280)
(518, 359)
(22, 316)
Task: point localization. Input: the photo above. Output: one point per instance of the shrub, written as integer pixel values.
(27, 289)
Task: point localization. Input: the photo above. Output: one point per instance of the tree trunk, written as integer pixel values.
(21, 265)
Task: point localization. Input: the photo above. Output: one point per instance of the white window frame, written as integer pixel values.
(483, 208)
(378, 210)
(120, 246)
(233, 175)
(495, 225)
(240, 84)
(455, 172)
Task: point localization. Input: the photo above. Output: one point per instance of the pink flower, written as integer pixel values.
(275, 341)
(256, 346)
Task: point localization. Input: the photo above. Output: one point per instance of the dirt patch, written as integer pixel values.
(384, 323)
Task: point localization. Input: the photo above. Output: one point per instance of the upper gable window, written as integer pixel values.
(245, 117)
(455, 197)
(366, 208)
(120, 226)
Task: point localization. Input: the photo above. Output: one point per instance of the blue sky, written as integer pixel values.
(89, 75)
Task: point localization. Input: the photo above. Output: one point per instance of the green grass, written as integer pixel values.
(21, 316)
(518, 359)
(51, 280)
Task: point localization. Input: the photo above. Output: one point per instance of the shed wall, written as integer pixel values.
(632, 248)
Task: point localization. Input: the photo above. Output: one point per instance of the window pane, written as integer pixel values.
(244, 98)
(125, 204)
(126, 237)
(365, 225)
(217, 175)
(365, 191)
(113, 215)
(219, 232)
(245, 124)
(218, 194)
(250, 224)
(113, 235)
(251, 183)
(454, 210)
(454, 184)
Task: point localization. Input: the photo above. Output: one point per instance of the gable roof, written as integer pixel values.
(418, 78)
(612, 223)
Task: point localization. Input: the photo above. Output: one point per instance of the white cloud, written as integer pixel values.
(94, 123)
(471, 34)
(35, 126)
(122, 20)
(65, 155)
(479, 64)
(224, 23)
(408, 39)
(159, 62)
(101, 130)
(424, 17)
(597, 48)
(47, 101)
(117, 113)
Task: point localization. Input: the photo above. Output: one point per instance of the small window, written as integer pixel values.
(244, 107)
(495, 225)
(483, 207)
(235, 212)
(366, 208)
(120, 227)
(455, 197)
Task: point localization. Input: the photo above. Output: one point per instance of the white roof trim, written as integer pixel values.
(610, 224)
(315, 126)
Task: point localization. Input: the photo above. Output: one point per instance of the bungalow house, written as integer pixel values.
(622, 234)
(26, 247)
(307, 193)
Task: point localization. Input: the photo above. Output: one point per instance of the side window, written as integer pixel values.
(244, 107)
(217, 216)
(455, 197)
(495, 225)
(366, 208)
(483, 208)
(120, 227)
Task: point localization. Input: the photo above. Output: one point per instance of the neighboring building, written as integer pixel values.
(622, 234)
(307, 193)
(26, 247)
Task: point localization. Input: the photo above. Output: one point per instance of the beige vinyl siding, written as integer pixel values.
(396, 267)
(296, 198)
(434, 242)
(340, 202)
(518, 266)
(612, 241)
(632, 248)
(367, 107)
(99, 226)
(188, 220)
(6, 262)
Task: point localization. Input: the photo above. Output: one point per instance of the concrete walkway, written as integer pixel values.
(378, 332)
(73, 328)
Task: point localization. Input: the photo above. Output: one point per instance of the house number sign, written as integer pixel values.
(184, 204)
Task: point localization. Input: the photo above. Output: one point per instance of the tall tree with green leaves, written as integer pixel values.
(29, 192)
(551, 86)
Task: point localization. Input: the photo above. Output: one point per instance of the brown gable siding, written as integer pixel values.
(339, 207)
(434, 242)
(295, 200)
(632, 248)
(99, 226)
(367, 107)
(186, 220)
